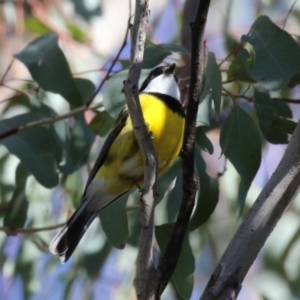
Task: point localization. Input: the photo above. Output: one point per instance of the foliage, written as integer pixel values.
(263, 61)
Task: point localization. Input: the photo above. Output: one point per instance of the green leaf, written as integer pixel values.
(174, 48)
(182, 277)
(33, 148)
(74, 188)
(87, 11)
(18, 205)
(208, 196)
(167, 210)
(113, 99)
(6, 190)
(86, 88)
(164, 181)
(116, 231)
(241, 144)
(295, 80)
(65, 142)
(211, 91)
(17, 100)
(81, 141)
(34, 25)
(155, 54)
(55, 130)
(25, 269)
(282, 108)
(213, 76)
(102, 123)
(93, 262)
(76, 33)
(284, 125)
(204, 109)
(49, 68)
(203, 141)
(277, 55)
(134, 227)
(267, 111)
(237, 70)
(232, 44)
(69, 280)
(61, 131)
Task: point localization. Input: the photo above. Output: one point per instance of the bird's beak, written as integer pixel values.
(170, 69)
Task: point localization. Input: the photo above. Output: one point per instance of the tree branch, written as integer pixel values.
(145, 269)
(281, 189)
(47, 121)
(173, 250)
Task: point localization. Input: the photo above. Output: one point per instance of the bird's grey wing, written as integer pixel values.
(121, 120)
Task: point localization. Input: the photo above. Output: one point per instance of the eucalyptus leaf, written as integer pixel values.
(113, 98)
(164, 181)
(237, 70)
(74, 186)
(16, 101)
(204, 109)
(85, 87)
(203, 141)
(81, 141)
(155, 54)
(208, 194)
(49, 68)
(102, 123)
(167, 210)
(114, 222)
(18, 205)
(93, 262)
(268, 111)
(32, 147)
(241, 144)
(213, 76)
(212, 87)
(182, 278)
(277, 55)
(32, 24)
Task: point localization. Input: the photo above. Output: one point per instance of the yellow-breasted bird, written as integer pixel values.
(119, 166)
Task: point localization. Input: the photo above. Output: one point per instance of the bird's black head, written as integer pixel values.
(164, 70)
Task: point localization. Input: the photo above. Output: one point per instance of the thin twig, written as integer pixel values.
(174, 246)
(14, 231)
(14, 89)
(235, 51)
(250, 99)
(90, 71)
(288, 14)
(288, 100)
(6, 72)
(230, 80)
(112, 64)
(47, 121)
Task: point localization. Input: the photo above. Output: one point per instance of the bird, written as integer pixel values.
(119, 167)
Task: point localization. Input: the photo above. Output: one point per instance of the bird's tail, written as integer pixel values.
(65, 242)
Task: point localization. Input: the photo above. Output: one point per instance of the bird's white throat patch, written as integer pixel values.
(164, 84)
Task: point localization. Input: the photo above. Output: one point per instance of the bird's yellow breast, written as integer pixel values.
(166, 128)
(123, 166)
